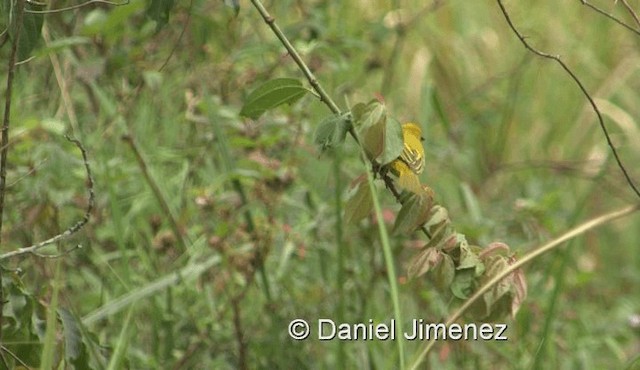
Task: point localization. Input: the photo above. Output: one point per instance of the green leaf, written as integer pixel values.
(359, 202)
(393, 143)
(439, 227)
(331, 131)
(438, 216)
(19, 334)
(368, 115)
(414, 213)
(75, 351)
(370, 121)
(496, 303)
(159, 10)
(444, 273)
(468, 259)
(30, 31)
(463, 283)
(272, 94)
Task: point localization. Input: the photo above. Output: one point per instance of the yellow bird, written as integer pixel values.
(410, 163)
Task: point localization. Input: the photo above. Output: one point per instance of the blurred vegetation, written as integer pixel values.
(513, 151)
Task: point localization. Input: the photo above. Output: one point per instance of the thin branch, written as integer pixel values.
(608, 15)
(4, 146)
(182, 32)
(74, 228)
(4, 151)
(631, 11)
(582, 88)
(239, 334)
(271, 22)
(57, 255)
(156, 191)
(571, 234)
(324, 97)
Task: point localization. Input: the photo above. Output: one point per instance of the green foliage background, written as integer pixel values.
(513, 151)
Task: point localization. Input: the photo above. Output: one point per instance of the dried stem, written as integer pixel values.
(573, 233)
(632, 12)
(613, 17)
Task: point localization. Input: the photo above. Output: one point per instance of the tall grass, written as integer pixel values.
(513, 152)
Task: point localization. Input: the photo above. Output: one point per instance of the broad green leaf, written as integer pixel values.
(359, 202)
(370, 121)
(75, 351)
(439, 227)
(494, 267)
(468, 259)
(505, 297)
(413, 214)
(444, 273)
(372, 140)
(30, 30)
(159, 11)
(393, 142)
(463, 283)
(19, 334)
(331, 131)
(438, 216)
(496, 302)
(367, 115)
(272, 94)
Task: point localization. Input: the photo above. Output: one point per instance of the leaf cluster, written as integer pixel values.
(456, 267)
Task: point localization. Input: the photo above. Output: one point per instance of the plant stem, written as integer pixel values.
(271, 22)
(156, 192)
(389, 262)
(576, 231)
(4, 147)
